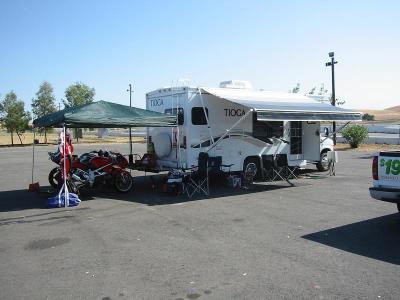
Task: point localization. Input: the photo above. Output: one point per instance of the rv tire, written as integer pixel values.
(323, 164)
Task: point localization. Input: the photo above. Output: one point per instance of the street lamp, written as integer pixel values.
(333, 100)
(130, 128)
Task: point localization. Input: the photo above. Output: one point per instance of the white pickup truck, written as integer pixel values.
(386, 177)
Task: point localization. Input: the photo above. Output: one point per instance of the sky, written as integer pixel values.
(150, 44)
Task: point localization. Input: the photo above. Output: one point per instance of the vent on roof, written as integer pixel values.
(236, 84)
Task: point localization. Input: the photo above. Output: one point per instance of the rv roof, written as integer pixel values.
(243, 94)
(254, 95)
(273, 105)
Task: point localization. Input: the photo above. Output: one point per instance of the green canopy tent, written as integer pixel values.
(102, 114)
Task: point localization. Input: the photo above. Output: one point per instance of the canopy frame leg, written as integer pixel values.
(65, 186)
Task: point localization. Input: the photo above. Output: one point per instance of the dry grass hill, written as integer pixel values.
(388, 115)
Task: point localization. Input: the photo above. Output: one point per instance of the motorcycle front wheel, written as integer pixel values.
(123, 182)
(55, 178)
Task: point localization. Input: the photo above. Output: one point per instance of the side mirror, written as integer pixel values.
(326, 131)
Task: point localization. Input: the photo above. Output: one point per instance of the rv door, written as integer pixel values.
(311, 141)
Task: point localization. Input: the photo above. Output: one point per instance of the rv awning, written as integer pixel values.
(284, 106)
(104, 114)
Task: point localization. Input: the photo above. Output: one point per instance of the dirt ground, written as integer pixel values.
(27, 139)
(367, 147)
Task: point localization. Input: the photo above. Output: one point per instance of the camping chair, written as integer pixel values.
(215, 166)
(281, 162)
(273, 171)
(276, 168)
(197, 180)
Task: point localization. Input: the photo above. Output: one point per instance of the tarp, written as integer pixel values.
(103, 114)
(284, 106)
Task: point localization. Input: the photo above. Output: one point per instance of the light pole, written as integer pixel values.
(130, 129)
(333, 101)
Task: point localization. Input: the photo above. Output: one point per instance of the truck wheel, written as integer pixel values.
(323, 164)
(252, 160)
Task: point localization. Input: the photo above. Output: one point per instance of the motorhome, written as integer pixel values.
(240, 124)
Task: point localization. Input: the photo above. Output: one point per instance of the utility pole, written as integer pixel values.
(130, 128)
(333, 101)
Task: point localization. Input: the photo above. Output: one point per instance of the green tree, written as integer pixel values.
(78, 94)
(355, 135)
(13, 115)
(44, 103)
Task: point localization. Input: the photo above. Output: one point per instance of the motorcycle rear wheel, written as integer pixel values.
(123, 182)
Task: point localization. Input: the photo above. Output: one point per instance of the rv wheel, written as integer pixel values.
(250, 162)
(323, 164)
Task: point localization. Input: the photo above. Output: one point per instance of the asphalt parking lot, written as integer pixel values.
(323, 238)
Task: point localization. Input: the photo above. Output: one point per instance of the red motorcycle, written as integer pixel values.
(94, 169)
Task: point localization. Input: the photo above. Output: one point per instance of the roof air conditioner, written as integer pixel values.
(236, 84)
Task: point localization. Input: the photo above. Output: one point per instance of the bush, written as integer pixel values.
(368, 117)
(355, 135)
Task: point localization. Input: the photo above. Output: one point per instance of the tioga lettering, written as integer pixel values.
(234, 112)
(156, 102)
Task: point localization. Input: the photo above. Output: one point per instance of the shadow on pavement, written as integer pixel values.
(147, 190)
(377, 238)
(22, 199)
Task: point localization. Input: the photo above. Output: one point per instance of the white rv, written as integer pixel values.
(239, 124)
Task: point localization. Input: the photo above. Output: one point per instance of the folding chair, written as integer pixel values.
(276, 168)
(215, 166)
(272, 170)
(197, 180)
(282, 163)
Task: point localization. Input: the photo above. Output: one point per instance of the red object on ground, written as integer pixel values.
(34, 187)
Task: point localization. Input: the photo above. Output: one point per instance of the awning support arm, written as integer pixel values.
(229, 130)
(205, 113)
(334, 132)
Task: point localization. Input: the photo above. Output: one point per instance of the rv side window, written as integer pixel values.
(172, 111)
(198, 116)
(263, 130)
